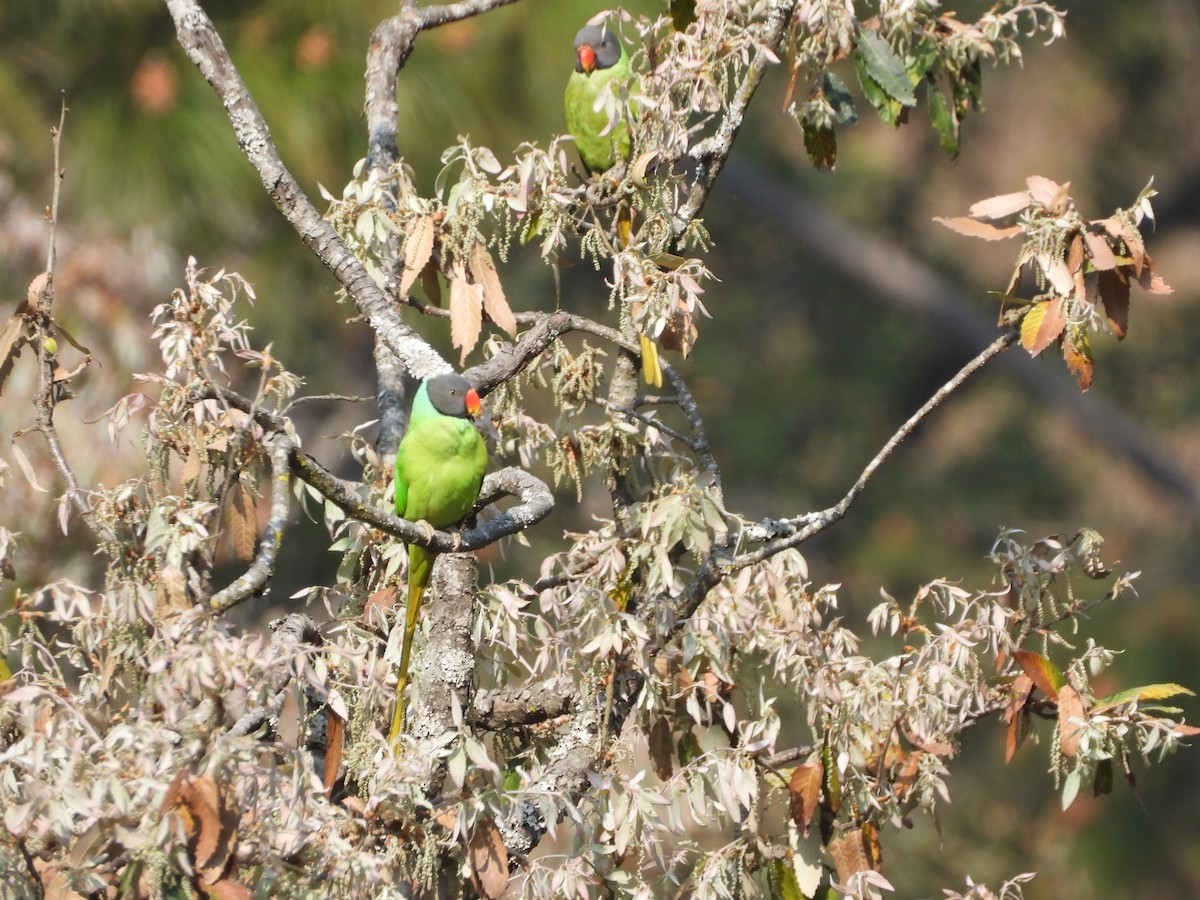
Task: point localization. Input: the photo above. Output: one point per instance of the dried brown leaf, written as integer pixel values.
(431, 283)
(1000, 206)
(1070, 728)
(849, 855)
(37, 290)
(1152, 281)
(1077, 352)
(974, 228)
(243, 522)
(1042, 325)
(335, 739)
(210, 820)
(489, 859)
(1113, 286)
(418, 249)
(1133, 243)
(805, 789)
(466, 313)
(662, 748)
(483, 271)
(227, 889)
(26, 467)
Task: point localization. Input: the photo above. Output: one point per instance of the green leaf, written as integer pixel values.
(891, 111)
(943, 119)
(884, 67)
(821, 143)
(688, 748)
(968, 89)
(839, 98)
(784, 885)
(1145, 692)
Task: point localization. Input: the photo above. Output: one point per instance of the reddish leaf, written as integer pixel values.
(907, 776)
(1044, 673)
(1070, 728)
(1000, 206)
(489, 859)
(1133, 243)
(335, 740)
(1017, 716)
(662, 748)
(1114, 294)
(977, 229)
(805, 789)
(1042, 325)
(1102, 256)
(1153, 282)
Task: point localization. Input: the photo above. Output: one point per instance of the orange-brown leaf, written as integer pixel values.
(1077, 351)
(1071, 719)
(805, 790)
(227, 889)
(243, 522)
(1001, 206)
(335, 740)
(378, 605)
(466, 313)
(418, 249)
(483, 271)
(1045, 674)
(662, 748)
(210, 820)
(1042, 325)
(870, 834)
(849, 855)
(1153, 282)
(192, 467)
(1017, 716)
(489, 859)
(974, 228)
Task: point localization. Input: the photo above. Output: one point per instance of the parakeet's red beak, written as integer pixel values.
(587, 58)
(474, 406)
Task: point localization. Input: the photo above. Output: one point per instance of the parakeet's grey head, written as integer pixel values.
(452, 395)
(596, 48)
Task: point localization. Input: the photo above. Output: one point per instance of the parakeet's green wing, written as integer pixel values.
(439, 470)
(598, 151)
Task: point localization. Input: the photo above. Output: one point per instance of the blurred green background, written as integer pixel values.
(811, 361)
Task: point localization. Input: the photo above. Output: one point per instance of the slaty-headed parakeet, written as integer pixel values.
(439, 469)
(600, 58)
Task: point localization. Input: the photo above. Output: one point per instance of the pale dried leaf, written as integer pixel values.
(418, 248)
(10, 345)
(466, 313)
(489, 859)
(483, 271)
(26, 468)
(974, 228)
(37, 287)
(1101, 253)
(1071, 720)
(243, 522)
(849, 855)
(1000, 206)
(1049, 194)
(192, 468)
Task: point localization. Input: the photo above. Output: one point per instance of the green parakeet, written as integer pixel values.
(599, 59)
(439, 469)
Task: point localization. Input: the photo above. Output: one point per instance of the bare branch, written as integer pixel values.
(433, 16)
(204, 47)
(522, 706)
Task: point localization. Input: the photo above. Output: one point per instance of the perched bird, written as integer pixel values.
(599, 59)
(439, 469)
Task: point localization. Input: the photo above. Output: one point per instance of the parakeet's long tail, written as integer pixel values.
(420, 563)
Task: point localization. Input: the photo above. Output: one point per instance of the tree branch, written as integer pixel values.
(207, 51)
(254, 580)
